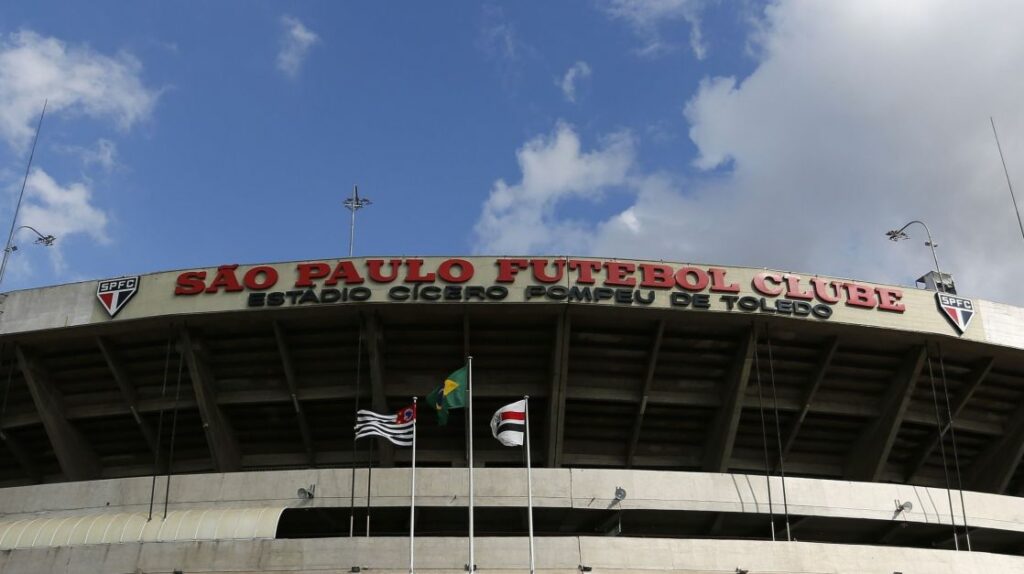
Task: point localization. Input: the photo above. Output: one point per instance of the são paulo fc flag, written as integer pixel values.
(509, 423)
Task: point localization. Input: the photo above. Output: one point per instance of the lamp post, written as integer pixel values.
(354, 204)
(900, 234)
(44, 240)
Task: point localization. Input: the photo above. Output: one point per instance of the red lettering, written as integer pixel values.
(252, 278)
(760, 283)
(860, 296)
(889, 299)
(718, 284)
(821, 290)
(586, 269)
(414, 272)
(190, 283)
(508, 268)
(657, 276)
(374, 270)
(310, 271)
(698, 281)
(225, 278)
(618, 274)
(445, 270)
(345, 271)
(539, 267)
(793, 290)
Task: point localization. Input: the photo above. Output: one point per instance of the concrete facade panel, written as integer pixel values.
(76, 304)
(554, 555)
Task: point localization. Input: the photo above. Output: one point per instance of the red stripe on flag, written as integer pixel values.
(513, 415)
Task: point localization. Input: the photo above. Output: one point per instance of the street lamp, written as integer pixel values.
(44, 240)
(900, 234)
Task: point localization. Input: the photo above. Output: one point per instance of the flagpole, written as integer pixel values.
(412, 505)
(469, 398)
(355, 453)
(369, 481)
(529, 480)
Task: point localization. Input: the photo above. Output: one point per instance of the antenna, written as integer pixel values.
(354, 204)
(1005, 171)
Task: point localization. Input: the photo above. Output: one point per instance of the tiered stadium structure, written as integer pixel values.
(689, 389)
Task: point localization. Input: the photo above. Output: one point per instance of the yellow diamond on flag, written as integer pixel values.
(449, 386)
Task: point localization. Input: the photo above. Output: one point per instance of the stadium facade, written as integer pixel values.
(682, 416)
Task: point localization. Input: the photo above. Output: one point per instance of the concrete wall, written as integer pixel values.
(506, 487)
(564, 488)
(76, 304)
(554, 555)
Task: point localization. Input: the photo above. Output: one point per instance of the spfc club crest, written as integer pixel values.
(114, 294)
(958, 310)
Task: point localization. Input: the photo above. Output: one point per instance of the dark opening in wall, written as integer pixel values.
(326, 522)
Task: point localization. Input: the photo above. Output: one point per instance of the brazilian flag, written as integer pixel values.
(451, 394)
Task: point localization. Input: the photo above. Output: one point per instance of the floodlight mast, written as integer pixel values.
(46, 240)
(899, 234)
(354, 204)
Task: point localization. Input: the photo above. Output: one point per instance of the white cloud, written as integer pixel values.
(578, 71)
(103, 154)
(65, 211)
(61, 210)
(498, 36)
(522, 217)
(73, 78)
(295, 45)
(858, 118)
(647, 17)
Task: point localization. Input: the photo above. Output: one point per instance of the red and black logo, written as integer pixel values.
(958, 310)
(114, 294)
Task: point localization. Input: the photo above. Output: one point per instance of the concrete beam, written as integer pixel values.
(374, 333)
(293, 390)
(219, 435)
(652, 363)
(557, 395)
(810, 390)
(124, 384)
(870, 453)
(972, 383)
(723, 431)
(995, 466)
(77, 459)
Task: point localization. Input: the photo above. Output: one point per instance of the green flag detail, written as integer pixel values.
(451, 394)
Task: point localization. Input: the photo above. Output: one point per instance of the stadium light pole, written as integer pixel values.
(354, 204)
(900, 234)
(46, 240)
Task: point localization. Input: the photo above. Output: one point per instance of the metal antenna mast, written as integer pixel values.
(354, 204)
(1010, 185)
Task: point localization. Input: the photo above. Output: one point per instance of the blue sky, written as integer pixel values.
(777, 134)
